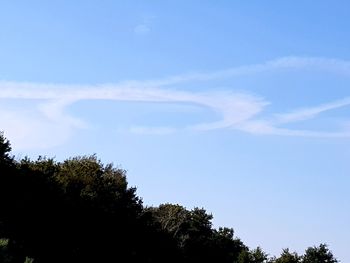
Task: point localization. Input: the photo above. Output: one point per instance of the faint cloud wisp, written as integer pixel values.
(51, 125)
(144, 28)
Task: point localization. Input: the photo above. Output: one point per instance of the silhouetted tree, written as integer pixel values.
(256, 255)
(320, 254)
(194, 234)
(5, 148)
(288, 257)
(81, 210)
(75, 211)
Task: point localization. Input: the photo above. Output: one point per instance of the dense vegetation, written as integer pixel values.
(81, 210)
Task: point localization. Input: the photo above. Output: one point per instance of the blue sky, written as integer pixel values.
(241, 108)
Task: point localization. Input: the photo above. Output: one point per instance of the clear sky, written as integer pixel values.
(240, 107)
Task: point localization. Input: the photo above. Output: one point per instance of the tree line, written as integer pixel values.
(81, 210)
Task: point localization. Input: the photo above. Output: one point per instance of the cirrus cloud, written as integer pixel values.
(51, 125)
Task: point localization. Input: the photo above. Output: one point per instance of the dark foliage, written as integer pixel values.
(80, 210)
(320, 254)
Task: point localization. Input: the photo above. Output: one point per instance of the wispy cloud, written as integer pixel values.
(144, 27)
(28, 131)
(54, 100)
(311, 112)
(52, 125)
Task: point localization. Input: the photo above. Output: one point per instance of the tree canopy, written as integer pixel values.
(81, 210)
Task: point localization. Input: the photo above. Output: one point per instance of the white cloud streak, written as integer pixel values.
(233, 107)
(312, 112)
(52, 125)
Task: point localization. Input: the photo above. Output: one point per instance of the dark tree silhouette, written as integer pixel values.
(81, 210)
(320, 254)
(288, 257)
(194, 234)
